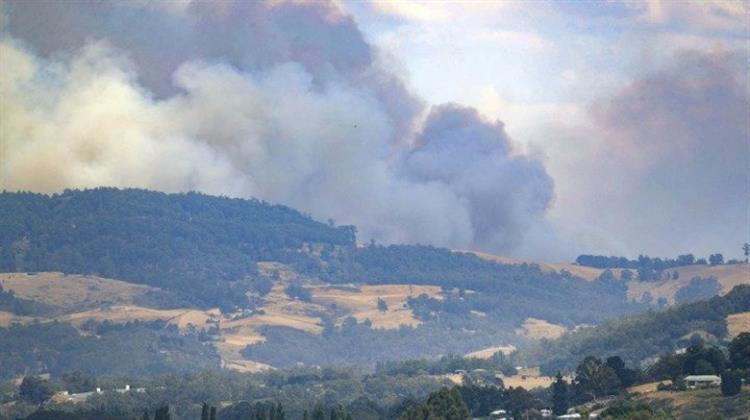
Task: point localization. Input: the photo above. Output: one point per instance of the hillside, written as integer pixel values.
(728, 276)
(639, 338)
(199, 246)
(256, 284)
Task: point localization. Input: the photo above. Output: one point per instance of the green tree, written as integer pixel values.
(731, 383)
(35, 390)
(519, 401)
(445, 404)
(596, 379)
(739, 351)
(162, 413)
(703, 367)
(318, 413)
(145, 415)
(559, 395)
(382, 306)
(204, 411)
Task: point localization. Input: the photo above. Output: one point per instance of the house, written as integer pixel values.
(65, 396)
(702, 381)
(498, 415)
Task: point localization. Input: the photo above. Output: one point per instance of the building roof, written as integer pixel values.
(702, 378)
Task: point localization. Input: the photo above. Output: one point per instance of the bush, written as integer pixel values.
(731, 383)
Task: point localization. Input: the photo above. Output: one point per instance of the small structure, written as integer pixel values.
(702, 381)
(570, 416)
(498, 415)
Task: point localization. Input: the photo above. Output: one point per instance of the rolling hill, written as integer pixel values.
(247, 285)
(640, 338)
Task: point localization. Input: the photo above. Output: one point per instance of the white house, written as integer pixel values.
(702, 381)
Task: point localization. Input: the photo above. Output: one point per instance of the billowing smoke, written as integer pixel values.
(470, 157)
(673, 168)
(282, 101)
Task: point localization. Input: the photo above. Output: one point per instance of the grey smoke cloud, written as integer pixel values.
(282, 101)
(673, 167)
(471, 157)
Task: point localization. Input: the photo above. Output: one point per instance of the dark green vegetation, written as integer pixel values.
(699, 288)
(343, 390)
(131, 349)
(358, 343)
(445, 404)
(640, 337)
(498, 362)
(341, 394)
(206, 248)
(507, 292)
(649, 268)
(190, 243)
(202, 251)
(643, 261)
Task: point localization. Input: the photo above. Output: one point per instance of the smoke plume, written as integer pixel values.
(283, 101)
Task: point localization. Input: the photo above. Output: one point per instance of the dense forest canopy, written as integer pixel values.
(193, 243)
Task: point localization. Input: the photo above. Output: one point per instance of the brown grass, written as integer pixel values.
(490, 351)
(71, 291)
(586, 273)
(738, 323)
(363, 304)
(7, 318)
(536, 329)
(648, 388)
(121, 314)
(527, 382)
(727, 275)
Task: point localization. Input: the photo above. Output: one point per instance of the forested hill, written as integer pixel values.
(190, 242)
(641, 337)
(206, 248)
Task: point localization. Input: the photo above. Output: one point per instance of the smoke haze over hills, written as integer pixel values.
(291, 102)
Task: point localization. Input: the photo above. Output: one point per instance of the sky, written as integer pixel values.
(538, 129)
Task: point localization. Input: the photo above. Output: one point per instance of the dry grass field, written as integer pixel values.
(702, 403)
(529, 378)
(362, 302)
(536, 329)
(738, 323)
(727, 275)
(120, 314)
(71, 291)
(7, 318)
(648, 387)
(586, 273)
(490, 351)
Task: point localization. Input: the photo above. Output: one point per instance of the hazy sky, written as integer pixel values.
(538, 129)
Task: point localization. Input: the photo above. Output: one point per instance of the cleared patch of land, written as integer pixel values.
(586, 273)
(490, 351)
(738, 323)
(528, 378)
(701, 403)
(71, 291)
(361, 302)
(728, 275)
(7, 318)
(649, 387)
(120, 314)
(536, 329)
